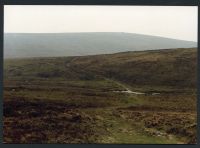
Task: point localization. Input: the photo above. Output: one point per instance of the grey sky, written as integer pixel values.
(167, 21)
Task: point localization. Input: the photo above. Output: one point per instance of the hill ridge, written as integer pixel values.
(80, 44)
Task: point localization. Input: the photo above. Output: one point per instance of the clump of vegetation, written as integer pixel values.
(176, 123)
(46, 122)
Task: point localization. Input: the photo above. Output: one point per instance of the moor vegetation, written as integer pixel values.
(84, 99)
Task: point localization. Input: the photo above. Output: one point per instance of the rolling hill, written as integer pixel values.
(154, 68)
(80, 44)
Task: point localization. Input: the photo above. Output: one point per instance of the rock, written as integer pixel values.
(99, 117)
(122, 116)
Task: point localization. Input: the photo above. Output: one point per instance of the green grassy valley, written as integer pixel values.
(136, 97)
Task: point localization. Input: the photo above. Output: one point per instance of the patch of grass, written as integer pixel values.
(182, 125)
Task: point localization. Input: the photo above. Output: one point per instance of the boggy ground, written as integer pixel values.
(57, 111)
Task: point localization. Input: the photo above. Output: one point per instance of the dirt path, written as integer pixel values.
(126, 89)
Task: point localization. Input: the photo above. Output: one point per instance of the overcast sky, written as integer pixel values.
(167, 21)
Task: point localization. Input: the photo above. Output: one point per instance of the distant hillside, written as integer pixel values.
(169, 67)
(76, 44)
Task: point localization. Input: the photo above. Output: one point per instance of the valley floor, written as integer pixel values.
(58, 111)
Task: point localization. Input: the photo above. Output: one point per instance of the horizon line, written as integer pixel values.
(95, 32)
